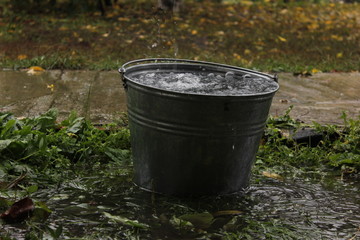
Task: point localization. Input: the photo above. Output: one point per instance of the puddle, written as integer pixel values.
(290, 209)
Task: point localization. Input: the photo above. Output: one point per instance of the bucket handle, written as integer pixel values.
(122, 70)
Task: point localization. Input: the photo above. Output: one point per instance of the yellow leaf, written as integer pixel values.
(284, 11)
(202, 20)
(35, 70)
(339, 55)
(282, 39)
(247, 51)
(237, 56)
(272, 175)
(89, 27)
(22, 57)
(246, 3)
(123, 19)
(328, 22)
(51, 87)
(313, 26)
(194, 32)
(110, 15)
(274, 50)
(230, 8)
(337, 37)
(63, 28)
(106, 35)
(314, 70)
(146, 21)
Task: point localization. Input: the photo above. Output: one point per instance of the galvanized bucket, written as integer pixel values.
(192, 144)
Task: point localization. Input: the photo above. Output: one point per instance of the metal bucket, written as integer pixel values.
(192, 144)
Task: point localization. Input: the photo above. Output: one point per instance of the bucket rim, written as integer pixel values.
(150, 61)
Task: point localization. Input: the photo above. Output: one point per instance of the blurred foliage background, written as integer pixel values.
(271, 35)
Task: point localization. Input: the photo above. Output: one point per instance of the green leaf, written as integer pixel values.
(199, 220)
(126, 221)
(32, 189)
(76, 126)
(5, 143)
(43, 206)
(117, 154)
(8, 129)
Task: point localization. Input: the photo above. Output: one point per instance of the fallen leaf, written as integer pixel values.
(126, 221)
(123, 19)
(314, 70)
(226, 213)
(199, 220)
(337, 37)
(19, 211)
(247, 51)
(339, 55)
(272, 175)
(282, 39)
(22, 57)
(51, 87)
(220, 33)
(63, 28)
(35, 70)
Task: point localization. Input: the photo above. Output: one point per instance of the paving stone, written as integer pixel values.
(107, 99)
(100, 97)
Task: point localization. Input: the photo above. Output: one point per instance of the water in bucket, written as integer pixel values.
(207, 83)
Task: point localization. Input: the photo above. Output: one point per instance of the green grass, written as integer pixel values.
(269, 36)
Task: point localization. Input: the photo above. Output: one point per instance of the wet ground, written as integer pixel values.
(295, 208)
(99, 95)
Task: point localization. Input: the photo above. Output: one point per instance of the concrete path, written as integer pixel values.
(99, 96)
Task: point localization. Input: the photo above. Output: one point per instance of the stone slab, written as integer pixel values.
(100, 97)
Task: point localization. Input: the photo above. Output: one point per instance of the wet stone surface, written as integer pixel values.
(100, 97)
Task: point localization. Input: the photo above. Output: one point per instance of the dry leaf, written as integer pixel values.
(22, 57)
(339, 55)
(35, 70)
(272, 175)
(314, 70)
(19, 211)
(51, 87)
(282, 39)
